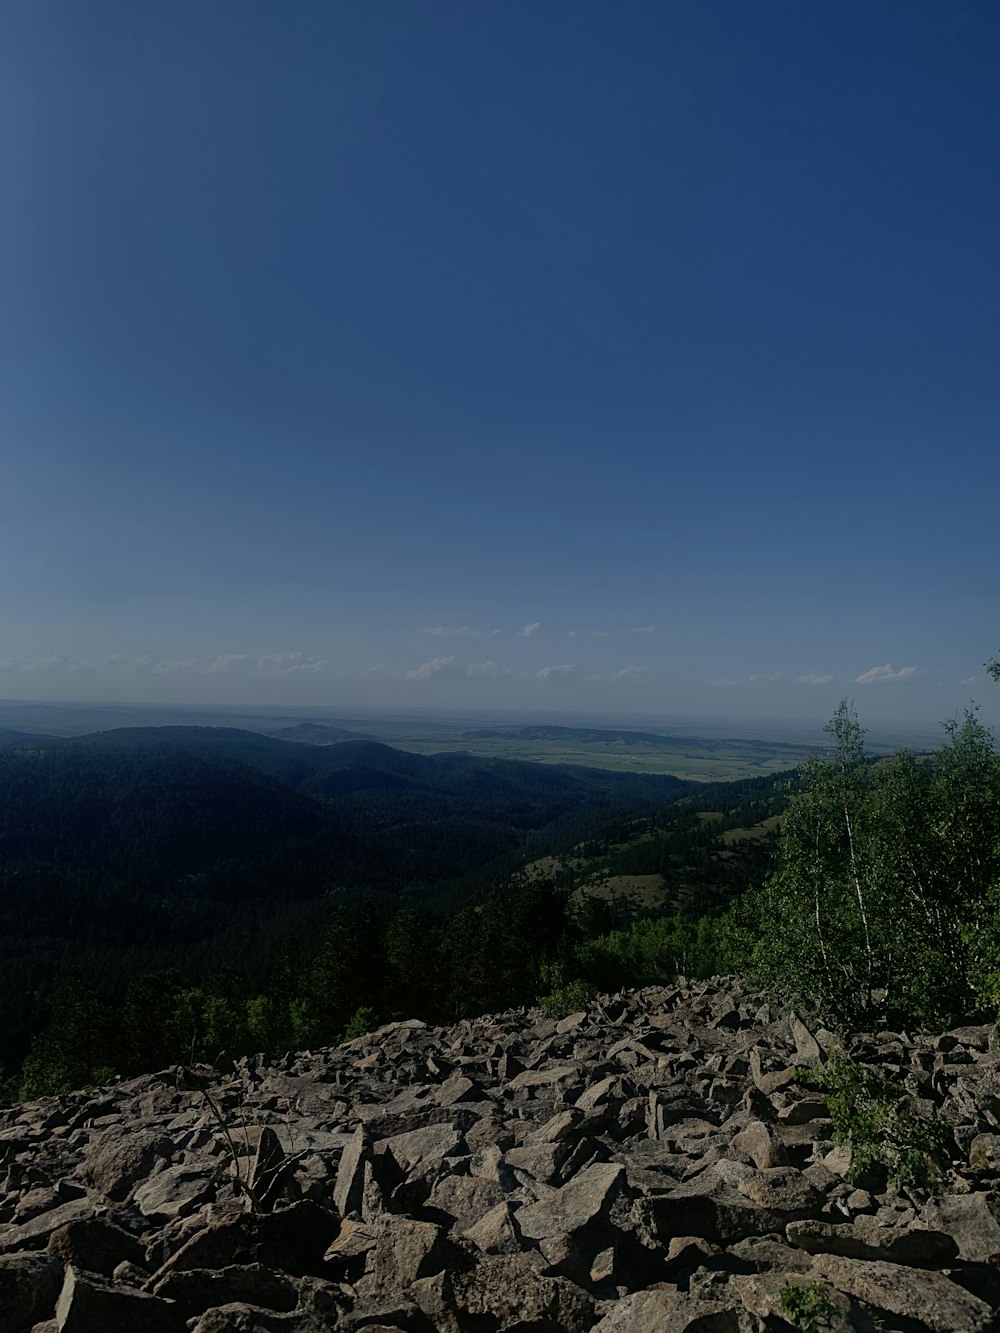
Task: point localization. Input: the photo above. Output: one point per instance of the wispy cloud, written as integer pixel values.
(757, 678)
(643, 629)
(815, 677)
(632, 675)
(563, 671)
(437, 666)
(532, 627)
(59, 664)
(457, 631)
(487, 670)
(227, 664)
(274, 664)
(450, 668)
(882, 675)
(152, 666)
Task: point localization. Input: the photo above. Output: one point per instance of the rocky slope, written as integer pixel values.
(648, 1166)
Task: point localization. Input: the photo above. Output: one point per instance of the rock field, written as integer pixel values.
(648, 1166)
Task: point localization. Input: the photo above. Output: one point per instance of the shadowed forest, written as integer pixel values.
(173, 893)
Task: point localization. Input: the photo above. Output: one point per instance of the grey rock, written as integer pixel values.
(116, 1162)
(95, 1244)
(930, 1299)
(89, 1304)
(970, 1220)
(585, 1200)
(669, 1312)
(29, 1286)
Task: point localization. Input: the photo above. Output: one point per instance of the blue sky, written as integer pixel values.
(635, 358)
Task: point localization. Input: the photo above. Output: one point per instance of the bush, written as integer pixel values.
(805, 1303)
(880, 1126)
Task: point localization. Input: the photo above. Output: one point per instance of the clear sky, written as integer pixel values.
(544, 353)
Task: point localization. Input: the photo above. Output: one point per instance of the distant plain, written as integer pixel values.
(703, 750)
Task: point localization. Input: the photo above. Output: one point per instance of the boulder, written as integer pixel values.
(89, 1304)
(578, 1205)
(117, 1161)
(29, 1287)
(929, 1299)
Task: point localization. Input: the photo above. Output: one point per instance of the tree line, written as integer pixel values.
(878, 904)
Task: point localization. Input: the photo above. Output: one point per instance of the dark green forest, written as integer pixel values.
(200, 849)
(170, 894)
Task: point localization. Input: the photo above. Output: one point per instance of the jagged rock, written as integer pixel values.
(88, 1304)
(34, 1234)
(239, 1317)
(970, 1220)
(669, 1312)
(585, 1200)
(807, 1048)
(116, 1162)
(930, 1299)
(404, 1251)
(198, 1289)
(866, 1239)
(510, 1291)
(173, 1192)
(95, 1244)
(495, 1232)
(464, 1200)
(420, 1149)
(502, 1174)
(761, 1145)
(29, 1287)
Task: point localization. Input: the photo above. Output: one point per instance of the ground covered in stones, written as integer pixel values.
(649, 1165)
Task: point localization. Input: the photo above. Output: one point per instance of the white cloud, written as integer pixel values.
(273, 664)
(572, 634)
(878, 675)
(564, 671)
(815, 677)
(634, 675)
(437, 666)
(450, 668)
(531, 628)
(758, 678)
(153, 666)
(59, 664)
(486, 670)
(643, 629)
(972, 680)
(457, 632)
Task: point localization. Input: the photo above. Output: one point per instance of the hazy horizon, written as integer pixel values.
(615, 360)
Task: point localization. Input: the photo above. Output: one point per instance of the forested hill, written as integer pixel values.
(188, 846)
(517, 788)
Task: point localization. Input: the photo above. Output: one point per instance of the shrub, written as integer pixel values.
(880, 1126)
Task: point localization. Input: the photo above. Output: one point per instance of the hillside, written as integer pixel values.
(362, 765)
(650, 739)
(199, 848)
(649, 1163)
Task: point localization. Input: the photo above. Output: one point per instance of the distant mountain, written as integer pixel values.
(315, 733)
(606, 736)
(514, 791)
(10, 738)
